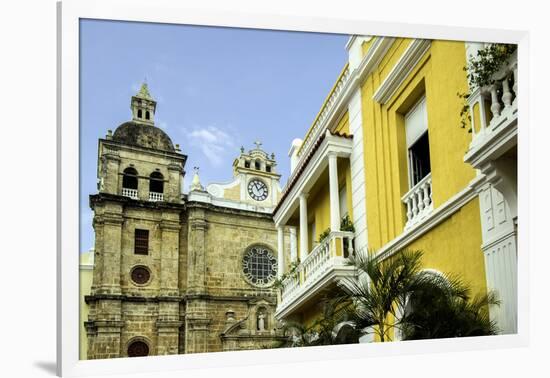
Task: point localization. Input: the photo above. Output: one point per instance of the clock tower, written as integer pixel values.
(255, 180)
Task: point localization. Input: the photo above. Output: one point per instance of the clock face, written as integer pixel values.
(257, 190)
(259, 266)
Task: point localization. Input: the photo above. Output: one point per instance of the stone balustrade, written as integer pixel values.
(419, 201)
(154, 197)
(132, 193)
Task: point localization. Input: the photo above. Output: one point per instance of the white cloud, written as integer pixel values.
(213, 142)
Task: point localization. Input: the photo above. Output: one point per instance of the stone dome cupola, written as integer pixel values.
(141, 130)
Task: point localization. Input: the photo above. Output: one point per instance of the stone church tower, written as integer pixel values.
(178, 273)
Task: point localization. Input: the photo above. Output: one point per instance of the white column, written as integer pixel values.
(334, 193)
(304, 247)
(293, 245)
(280, 252)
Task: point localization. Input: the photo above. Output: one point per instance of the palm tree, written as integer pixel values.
(381, 287)
(322, 331)
(447, 310)
(435, 305)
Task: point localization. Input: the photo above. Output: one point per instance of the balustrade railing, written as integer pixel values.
(331, 251)
(419, 201)
(132, 193)
(497, 103)
(320, 122)
(156, 196)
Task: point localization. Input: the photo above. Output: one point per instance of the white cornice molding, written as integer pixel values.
(439, 215)
(401, 70)
(205, 197)
(340, 146)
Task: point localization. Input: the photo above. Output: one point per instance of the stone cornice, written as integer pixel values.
(174, 155)
(127, 201)
(272, 299)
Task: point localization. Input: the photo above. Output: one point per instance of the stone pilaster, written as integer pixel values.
(169, 253)
(197, 326)
(196, 252)
(168, 325)
(108, 225)
(106, 329)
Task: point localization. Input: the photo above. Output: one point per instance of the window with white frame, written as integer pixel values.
(418, 144)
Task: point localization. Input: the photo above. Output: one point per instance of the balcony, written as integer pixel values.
(156, 197)
(419, 201)
(497, 111)
(323, 267)
(132, 193)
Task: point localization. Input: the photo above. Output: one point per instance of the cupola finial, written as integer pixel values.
(143, 105)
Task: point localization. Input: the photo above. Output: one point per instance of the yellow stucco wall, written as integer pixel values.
(438, 76)
(86, 274)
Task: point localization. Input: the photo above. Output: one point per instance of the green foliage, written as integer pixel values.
(382, 285)
(322, 331)
(435, 306)
(346, 224)
(481, 71)
(323, 235)
(446, 309)
(278, 283)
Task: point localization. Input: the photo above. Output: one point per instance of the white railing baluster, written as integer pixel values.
(132, 193)
(495, 104)
(419, 198)
(315, 264)
(154, 197)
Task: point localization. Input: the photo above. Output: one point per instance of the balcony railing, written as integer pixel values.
(132, 193)
(419, 201)
(497, 103)
(154, 197)
(326, 258)
(320, 122)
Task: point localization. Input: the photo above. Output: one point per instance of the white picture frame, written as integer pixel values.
(69, 14)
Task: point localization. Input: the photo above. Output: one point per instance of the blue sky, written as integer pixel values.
(216, 89)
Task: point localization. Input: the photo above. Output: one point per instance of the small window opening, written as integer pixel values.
(257, 165)
(140, 113)
(156, 183)
(141, 242)
(419, 159)
(147, 115)
(268, 168)
(130, 180)
(247, 164)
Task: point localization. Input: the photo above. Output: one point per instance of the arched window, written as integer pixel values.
(156, 183)
(257, 164)
(140, 113)
(138, 348)
(147, 115)
(130, 180)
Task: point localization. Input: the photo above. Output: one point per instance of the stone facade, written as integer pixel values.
(184, 290)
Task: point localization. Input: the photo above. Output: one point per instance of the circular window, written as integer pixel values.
(138, 349)
(259, 265)
(140, 275)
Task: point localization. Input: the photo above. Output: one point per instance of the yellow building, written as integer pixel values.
(388, 150)
(86, 277)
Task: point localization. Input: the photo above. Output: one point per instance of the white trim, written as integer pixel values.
(369, 63)
(205, 197)
(441, 213)
(340, 146)
(334, 273)
(410, 58)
